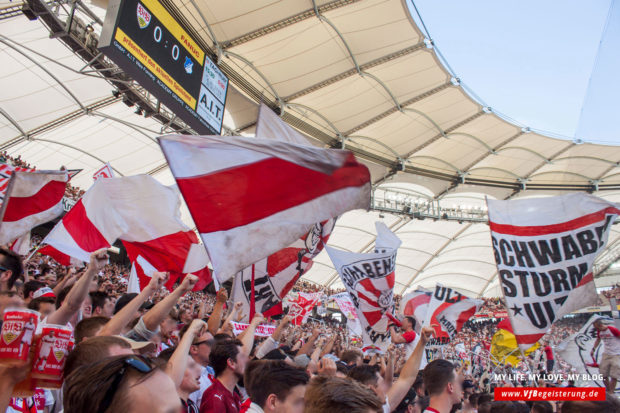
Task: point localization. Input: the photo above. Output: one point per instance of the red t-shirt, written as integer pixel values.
(217, 399)
(548, 353)
(409, 336)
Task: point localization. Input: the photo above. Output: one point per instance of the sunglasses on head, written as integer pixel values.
(135, 362)
(210, 342)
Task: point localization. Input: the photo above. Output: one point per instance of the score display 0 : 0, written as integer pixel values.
(157, 35)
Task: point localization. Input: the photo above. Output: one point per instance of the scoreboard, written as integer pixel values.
(149, 44)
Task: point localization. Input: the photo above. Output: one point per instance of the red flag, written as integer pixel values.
(301, 307)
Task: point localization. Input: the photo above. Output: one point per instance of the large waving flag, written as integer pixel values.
(369, 280)
(301, 306)
(415, 304)
(6, 171)
(141, 212)
(262, 286)
(251, 197)
(504, 347)
(544, 249)
(448, 310)
(32, 198)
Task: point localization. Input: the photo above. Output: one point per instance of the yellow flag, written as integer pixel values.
(505, 350)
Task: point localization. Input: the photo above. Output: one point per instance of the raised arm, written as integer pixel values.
(76, 296)
(408, 374)
(125, 315)
(157, 314)
(247, 336)
(308, 346)
(71, 275)
(396, 338)
(216, 315)
(178, 361)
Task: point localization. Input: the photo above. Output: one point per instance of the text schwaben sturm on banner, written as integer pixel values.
(544, 249)
(369, 279)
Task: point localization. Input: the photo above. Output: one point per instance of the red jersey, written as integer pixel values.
(217, 399)
(548, 353)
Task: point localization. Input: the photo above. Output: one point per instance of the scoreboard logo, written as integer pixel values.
(144, 17)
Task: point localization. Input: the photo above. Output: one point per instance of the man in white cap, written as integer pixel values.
(610, 361)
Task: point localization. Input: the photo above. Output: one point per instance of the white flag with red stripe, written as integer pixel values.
(251, 197)
(369, 279)
(141, 212)
(32, 198)
(262, 286)
(343, 300)
(448, 310)
(301, 306)
(415, 304)
(545, 249)
(6, 171)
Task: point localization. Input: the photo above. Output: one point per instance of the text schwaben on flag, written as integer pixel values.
(544, 249)
(549, 393)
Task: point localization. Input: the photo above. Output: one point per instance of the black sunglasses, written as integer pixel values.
(210, 342)
(137, 363)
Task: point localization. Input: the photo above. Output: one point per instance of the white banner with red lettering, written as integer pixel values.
(448, 310)
(344, 302)
(369, 280)
(301, 306)
(544, 249)
(262, 330)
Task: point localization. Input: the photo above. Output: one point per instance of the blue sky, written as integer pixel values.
(532, 60)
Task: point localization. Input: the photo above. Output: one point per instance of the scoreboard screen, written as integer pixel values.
(149, 44)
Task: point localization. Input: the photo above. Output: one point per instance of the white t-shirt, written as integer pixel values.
(611, 340)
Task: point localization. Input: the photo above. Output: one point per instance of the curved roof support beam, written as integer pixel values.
(76, 149)
(551, 159)
(470, 136)
(425, 232)
(467, 274)
(384, 86)
(416, 250)
(123, 122)
(485, 231)
(357, 229)
(341, 76)
(217, 45)
(435, 255)
(481, 294)
(435, 159)
(14, 123)
(461, 260)
(258, 72)
(366, 138)
(406, 266)
(562, 172)
(50, 74)
(592, 158)
(342, 39)
(491, 168)
(428, 118)
(465, 246)
(320, 115)
(524, 149)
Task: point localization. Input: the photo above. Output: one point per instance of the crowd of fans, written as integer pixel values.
(177, 352)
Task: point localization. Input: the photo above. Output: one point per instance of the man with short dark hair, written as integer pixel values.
(337, 394)
(102, 304)
(275, 387)
(442, 385)
(352, 358)
(29, 289)
(228, 360)
(408, 337)
(11, 269)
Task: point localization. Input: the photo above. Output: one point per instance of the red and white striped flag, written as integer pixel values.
(262, 286)
(140, 211)
(105, 171)
(301, 306)
(251, 197)
(545, 249)
(6, 171)
(448, 310)
(32, 198)
(369, 279)
(415, 304)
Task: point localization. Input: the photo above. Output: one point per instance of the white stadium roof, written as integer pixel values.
(352, 73)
